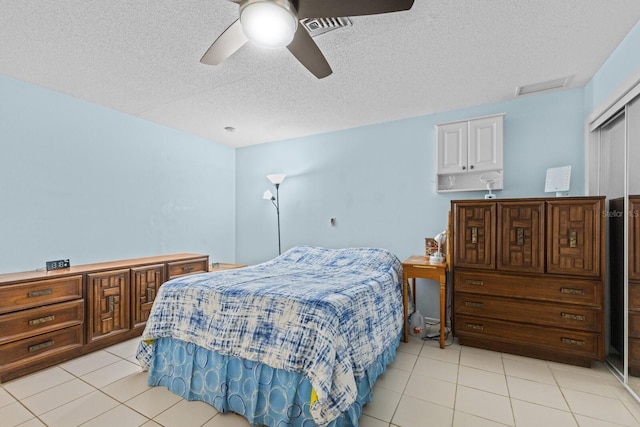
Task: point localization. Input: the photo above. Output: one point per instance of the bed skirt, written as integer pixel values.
(263, 395)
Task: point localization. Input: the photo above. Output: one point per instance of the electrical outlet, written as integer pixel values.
(55, 265)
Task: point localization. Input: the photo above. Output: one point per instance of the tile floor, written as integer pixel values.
(425, 386)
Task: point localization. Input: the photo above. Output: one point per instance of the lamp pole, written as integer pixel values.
(277, 204)
(276, 179)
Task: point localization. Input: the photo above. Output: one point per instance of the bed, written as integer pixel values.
(298, 340)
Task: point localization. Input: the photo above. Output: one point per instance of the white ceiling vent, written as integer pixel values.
(317, 26)
(542, 86)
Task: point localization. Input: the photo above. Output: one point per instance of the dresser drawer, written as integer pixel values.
(534, 312)
(182, 268)
(537, 338)
(543, 288)
(34, 294)
(26, 323)
(40, 346)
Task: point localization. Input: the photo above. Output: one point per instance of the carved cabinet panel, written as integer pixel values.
(108, 296)
(574, 241)
(521, 242)
(475, 235)
(146, 282)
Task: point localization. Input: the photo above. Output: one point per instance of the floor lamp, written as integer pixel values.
(276, 179)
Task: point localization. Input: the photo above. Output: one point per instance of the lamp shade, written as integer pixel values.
(267, 195)
(276, 178)
(270, 24)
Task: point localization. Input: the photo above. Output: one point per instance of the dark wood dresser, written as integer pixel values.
(47, 317)
(528, 276)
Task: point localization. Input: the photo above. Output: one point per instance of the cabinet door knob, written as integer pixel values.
(464, 168)
(471, 167)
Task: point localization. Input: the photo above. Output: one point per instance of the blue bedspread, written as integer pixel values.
(326, 313)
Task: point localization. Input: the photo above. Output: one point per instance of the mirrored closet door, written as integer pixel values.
(614, 171)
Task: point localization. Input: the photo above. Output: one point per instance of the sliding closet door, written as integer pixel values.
(633, 242)
(612, 179)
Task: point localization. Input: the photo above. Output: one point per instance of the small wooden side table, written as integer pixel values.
(419, 267)
(221, 266)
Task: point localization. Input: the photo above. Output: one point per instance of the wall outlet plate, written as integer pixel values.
(55, 265)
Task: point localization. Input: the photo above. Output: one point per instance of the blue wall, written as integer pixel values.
(379, 181)
(86, 183)
(621, 64)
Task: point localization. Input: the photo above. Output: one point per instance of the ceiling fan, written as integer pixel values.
(274, 24)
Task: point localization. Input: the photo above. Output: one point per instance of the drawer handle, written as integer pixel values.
(473, 282)
(112, 303)
(424, 266)
(520, 236)
(40, 346)
(572, 291)
(571, 341)
(573, 238)
(580, 317)
(150, 294)
(42, 320)
(474, 235)
(188, 268)
(474, 304)
(40, 293)
(475, 326)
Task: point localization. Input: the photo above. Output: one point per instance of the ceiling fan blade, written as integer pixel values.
(226, 44)
(339, 8)
(309, 54)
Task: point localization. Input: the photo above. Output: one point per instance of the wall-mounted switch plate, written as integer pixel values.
(55, 265)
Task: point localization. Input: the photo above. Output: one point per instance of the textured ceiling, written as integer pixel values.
(142, 57)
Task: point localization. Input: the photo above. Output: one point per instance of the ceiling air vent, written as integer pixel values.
(542, 86)
(317, 26)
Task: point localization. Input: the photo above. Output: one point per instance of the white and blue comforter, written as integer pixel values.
(326, 313)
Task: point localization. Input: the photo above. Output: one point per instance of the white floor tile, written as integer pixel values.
(531, 415)
(599, 407)
(414, 412)
(37, 382)
(425, 386)
(436, 369)
(5, 398)
(57, 396)
(121, 415)
(528, 369)
(110, 373)
(481, 359)
(404, 361)
(128, 387)
(383, 405)
(487, 405)
(394, 379)
(538, 393)
(432, 390)
(462, 419)
(89, 363)
(153, 401)
(226, 420)
(483, 380)
(186, 414)
(125, 349)
(13, 414)
(79, 411)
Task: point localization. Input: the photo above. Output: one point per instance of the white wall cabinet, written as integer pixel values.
(467, 150)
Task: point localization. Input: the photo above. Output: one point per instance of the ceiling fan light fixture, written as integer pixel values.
(269, 23)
